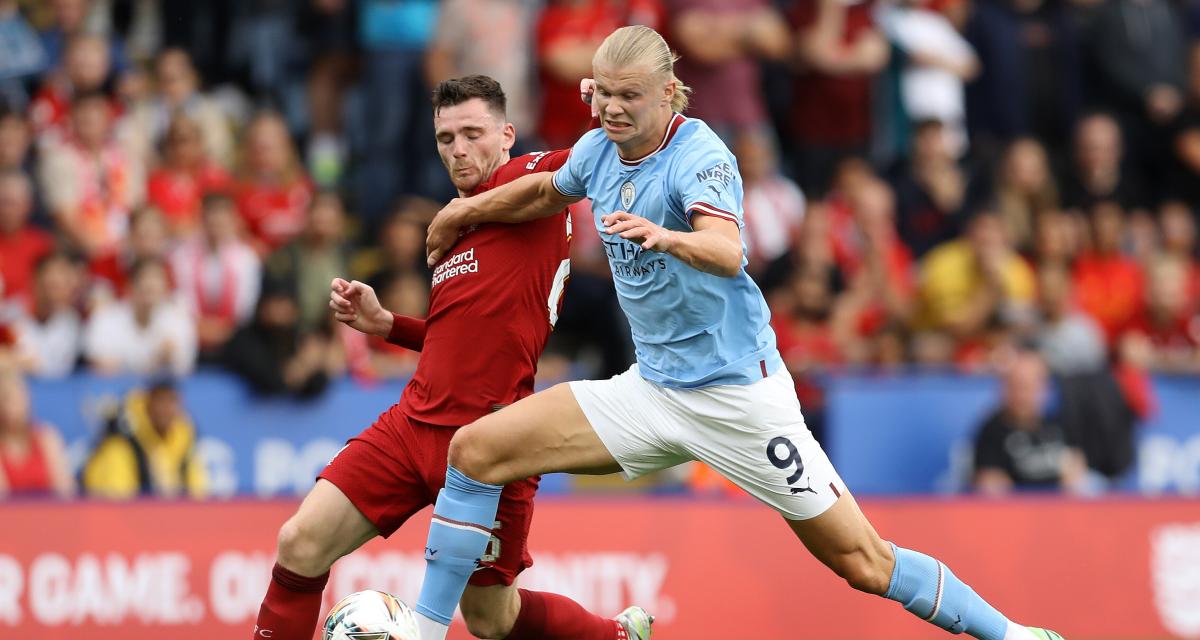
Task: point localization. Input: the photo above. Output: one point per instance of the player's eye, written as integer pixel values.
(604, 93)
(630, 96)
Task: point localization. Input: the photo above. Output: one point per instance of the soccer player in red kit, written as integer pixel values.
(493, 304)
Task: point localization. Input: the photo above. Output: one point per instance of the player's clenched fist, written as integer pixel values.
(638, 229)
(355, 304)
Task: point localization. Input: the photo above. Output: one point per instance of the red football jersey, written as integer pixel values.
(495, 299)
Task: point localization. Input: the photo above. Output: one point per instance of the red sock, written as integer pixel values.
(290, 610)
(547, 616)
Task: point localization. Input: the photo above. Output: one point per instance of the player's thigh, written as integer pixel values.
(843, 539)
(543, 433)
(327, 526)
(490, 611)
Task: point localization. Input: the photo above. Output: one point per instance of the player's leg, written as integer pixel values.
(494, 608)
(369, 488)
(755, 436)
(843, 540)
(326, 527)
(546, 432)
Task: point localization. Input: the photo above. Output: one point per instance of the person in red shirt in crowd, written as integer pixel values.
(147, 239)
(21, 244)
(271, 189)
(177, 187)
(86, 67)
(33, 460)
(1109, 285)
(722, 43)
(840, 51)
(774, 205)
(1169, 326)
(90, 185)
(509, 276)
(218, 275)
(568, 34)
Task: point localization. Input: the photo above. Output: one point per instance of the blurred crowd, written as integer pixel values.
(929, 183)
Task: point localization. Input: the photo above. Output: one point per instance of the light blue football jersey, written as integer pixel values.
(690, 328)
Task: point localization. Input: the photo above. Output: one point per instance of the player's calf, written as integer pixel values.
(866, 568)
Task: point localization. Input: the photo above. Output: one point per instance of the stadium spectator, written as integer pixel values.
(1099, 171)
(49, 333)
(970, 286)
(272, 191)
(1109, 285)
(1070, 341)
(218, 275)
(276, 357)
(1138, 51)
(930, 190)
(936, 61)
(148, 448)
(397, 137)
(328, 29)
(85, 69)
(568, 33)
(1185, 174)
(1169, 326)
(1024, 190)
(147, 126)
(1177, 224)
(147, 333)
(21, 243)
(1058, 238)
(488, 37)
(309, 263)
(1030, 82)
(721, 44)
(1019, 446)
(187, 174)
(33, 460)
(774, 205)
(71, 19)
(89, 184)
(401, 244)
(111, 271)
(21, 55)
(840, 52)
(16, 140)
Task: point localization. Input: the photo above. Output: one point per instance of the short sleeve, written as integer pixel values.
(708, 183)
(572, 178)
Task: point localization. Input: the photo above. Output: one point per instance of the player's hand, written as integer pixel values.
(443, 231)
(587, 89)
(356, 305)
(638, 229)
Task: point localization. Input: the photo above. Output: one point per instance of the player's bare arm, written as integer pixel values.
(526, 198)
(714, 246)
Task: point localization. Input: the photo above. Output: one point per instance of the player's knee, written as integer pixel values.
(489, 623)
(469, 454)
(865, 570)
(301, 549)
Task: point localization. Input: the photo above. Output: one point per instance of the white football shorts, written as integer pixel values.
(753, 434)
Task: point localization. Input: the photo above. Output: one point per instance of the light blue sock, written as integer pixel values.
(458, 535)
(929, 590)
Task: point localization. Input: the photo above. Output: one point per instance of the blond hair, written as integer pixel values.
(641, 45)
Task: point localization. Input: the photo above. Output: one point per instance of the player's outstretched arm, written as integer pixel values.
(355, 304)
(714, 246)
(527, 198)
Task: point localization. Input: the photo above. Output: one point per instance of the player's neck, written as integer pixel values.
(636, 149)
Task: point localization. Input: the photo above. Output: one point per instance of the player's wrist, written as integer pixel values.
(383, 324)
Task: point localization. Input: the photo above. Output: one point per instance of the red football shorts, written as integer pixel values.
(396, 467)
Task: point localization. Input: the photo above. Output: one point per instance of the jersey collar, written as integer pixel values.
(676, 120)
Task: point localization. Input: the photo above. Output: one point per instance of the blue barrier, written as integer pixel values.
(904, 434)
(886, 434)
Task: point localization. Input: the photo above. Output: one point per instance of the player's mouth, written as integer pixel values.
(616, 126)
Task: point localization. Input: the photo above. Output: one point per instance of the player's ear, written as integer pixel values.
(669, 90)
(510, 135)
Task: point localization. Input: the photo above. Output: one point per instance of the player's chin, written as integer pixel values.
(466, 183)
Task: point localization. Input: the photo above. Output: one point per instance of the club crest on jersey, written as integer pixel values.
(628, 193)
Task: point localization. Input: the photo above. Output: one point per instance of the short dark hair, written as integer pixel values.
(459, 90)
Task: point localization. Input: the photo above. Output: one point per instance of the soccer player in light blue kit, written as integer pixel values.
(708, 385)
